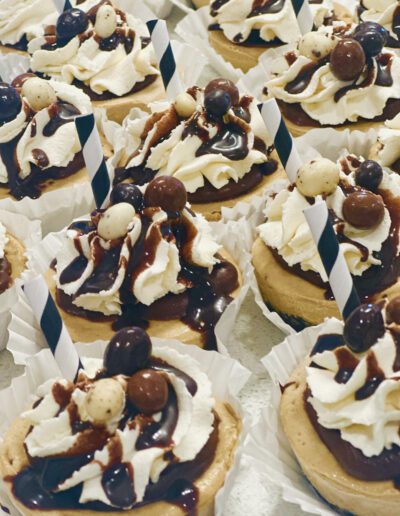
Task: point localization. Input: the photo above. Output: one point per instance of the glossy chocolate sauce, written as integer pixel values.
(5, 274)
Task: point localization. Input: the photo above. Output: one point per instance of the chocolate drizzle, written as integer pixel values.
(5, 274)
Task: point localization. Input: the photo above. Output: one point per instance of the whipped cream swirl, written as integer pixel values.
(388, 143)
(3, 240)
(384, 12)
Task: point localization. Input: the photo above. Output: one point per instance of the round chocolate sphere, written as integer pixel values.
(347, 60)
(217, 102)
(393, 311)
(70, 23)
(10, 102)
(167, 192)
(127, 352)
(363, 327)
(127, 192)
(373, 26)
(148, 391)
(226, 85)
(363, 209)
(372, 42)
(369, 175)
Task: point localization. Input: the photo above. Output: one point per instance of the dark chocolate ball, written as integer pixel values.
(363, 209)
(224, 278)
(226, 85)
(127, 192)
(148, 391)
(363, 327)
(370, 25)
(347, 60)
(217, 102)
(10, 102)
(167, 192)
(369, 175)
(372, 42)
(70, 23)
(127, 352)
(393, 311)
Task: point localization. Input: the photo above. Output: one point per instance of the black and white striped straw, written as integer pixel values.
(62, 5)
(304, 15)
(332, 257)
(165, 57)
(94, 159)
(49, 319)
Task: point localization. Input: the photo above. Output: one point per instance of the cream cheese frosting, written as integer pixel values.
(3, 240)
(115, 70)
(382, 12)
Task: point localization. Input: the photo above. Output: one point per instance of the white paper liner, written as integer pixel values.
(161, 8)
(227, 377)
(29, 233)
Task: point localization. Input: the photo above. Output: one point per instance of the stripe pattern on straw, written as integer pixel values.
(281, 137)
(165, 57)
(62, 5)
(332, 258)
(94, 158)
(49, 319)
(304, 15)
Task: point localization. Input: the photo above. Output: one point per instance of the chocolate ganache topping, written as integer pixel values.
(213, 140)
(38, 139)
(5, 265)
(338, 74)
(364, 207)
(146, 257)
(137, 429)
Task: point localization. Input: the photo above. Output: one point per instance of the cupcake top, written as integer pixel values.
(388, 149)
(128, 432)
(208, 138)
(246, 21)
(338, 74)
(363, 202)
(20, 20)
(384, 12)
(38, 139)
(100, 47)
(5, 266)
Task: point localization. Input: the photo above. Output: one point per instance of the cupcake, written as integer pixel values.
(105, 52)
(139, 431)
(364, 203)
(384, 12)
(339, 76)
(147, 259)
(213, 140)
(39, 145)
(242, 31)
(340, 411)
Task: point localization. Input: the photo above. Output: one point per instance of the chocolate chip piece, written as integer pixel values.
(364, 327)
(10, 102)
(70, 23)
(363, 209)
(226, 85)
(372, 42)
(148, 391)
(217, 103)
(393, 311)
(127, 352)
(166, 192)
(347, 60)
(127, 192)
(369, 175)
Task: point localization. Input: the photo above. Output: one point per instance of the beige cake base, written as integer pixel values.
(292, 295)
(13, 459)
(84, 330)
(320, 466)
(8, 50)
(200, 3)
(14, 251)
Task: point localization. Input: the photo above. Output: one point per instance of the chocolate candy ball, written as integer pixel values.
(347, 60)
(393, 311)
(148, 391)
(127, 192)
(369, 175)
(217, 103)
(70, 23)
(373, 26)
(127, 352)
(363, 210)
(225, 85)
(372, 42)
(166, 192)
(363, 328)
(10, 102)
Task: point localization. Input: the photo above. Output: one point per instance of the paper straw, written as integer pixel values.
(62, 5)
(49, 319)
(332, 257)
(304, 15)
(281, 137)
(94, 158)
(163, 49)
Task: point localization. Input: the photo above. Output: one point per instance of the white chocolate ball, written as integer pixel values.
(315, 45)
(185, 105)
(38, 93)
(115, 220)
(106, 21)
(320, 176)
(105, 400)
